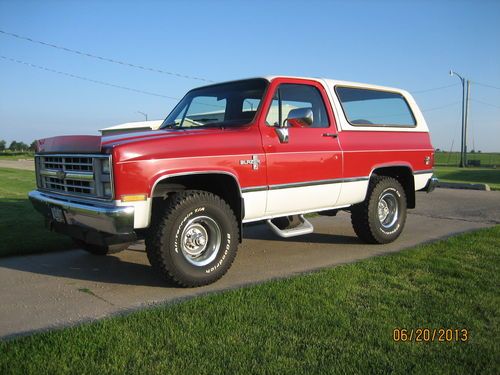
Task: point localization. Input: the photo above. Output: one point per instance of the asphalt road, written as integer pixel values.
(58, 289)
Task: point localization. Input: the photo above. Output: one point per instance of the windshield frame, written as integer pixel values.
(182, 107)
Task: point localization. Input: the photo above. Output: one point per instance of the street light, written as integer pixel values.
(144, 114)
(465, 105)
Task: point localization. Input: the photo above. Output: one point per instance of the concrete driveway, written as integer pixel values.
(25, 164)
(56, 289)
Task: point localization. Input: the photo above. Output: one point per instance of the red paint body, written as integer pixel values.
(140, 159)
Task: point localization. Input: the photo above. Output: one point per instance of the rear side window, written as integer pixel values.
(375, 108)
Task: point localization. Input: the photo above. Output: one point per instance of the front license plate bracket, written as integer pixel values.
(58, 214)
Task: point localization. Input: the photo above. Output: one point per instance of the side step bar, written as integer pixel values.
(303, 227)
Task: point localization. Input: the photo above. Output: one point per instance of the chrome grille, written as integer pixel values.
(69, 163)
(80, 175)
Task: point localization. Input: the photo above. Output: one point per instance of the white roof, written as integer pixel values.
(329, 81)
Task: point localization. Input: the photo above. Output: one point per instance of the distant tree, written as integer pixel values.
(13, 146)
(473, 151)
(33, 146)
(23, 146)
(478, 151)
(438, 150)
(2, 145)
(18, 146)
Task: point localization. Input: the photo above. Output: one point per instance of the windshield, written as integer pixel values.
(224, 105)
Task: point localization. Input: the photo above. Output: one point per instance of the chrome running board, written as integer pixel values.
(303, 227)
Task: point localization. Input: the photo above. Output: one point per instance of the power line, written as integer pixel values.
(107, 59)
(485, 103)
(485, 85)
(433, 89)
(87, 79)
(440, 107)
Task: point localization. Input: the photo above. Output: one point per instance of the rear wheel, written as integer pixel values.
(382, 216)
(193, 239)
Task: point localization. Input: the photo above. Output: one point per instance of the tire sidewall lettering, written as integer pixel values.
(397, 225)
(225, 243)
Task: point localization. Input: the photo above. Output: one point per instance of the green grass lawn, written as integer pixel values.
(22, 229)
(339, 320)
(16, 155)
(470, 175)
(453, 158)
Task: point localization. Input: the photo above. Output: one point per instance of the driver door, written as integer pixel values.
(304, 172)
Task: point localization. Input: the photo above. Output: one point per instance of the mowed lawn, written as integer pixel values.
(470, 175)
(22, 229)
(453, 158)
(339, 320)
(16, 155)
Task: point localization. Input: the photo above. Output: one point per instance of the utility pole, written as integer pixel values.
(144, 114)
(463, 147)
(466, 121)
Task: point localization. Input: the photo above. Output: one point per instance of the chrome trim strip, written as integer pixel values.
(80, 176)
(84, 176)
(303, 184)
(356, 179)
(252, 189)
(424, 171)
(110, 219)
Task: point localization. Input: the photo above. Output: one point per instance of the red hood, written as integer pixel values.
(96, 143)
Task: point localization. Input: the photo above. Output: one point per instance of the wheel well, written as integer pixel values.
(223, 185)
(405, 177)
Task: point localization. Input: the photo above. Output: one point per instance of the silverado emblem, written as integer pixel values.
(254, 161)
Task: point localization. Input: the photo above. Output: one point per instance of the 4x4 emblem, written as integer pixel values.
(254, 161)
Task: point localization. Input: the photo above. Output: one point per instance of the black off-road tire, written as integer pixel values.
(164, 245)
(365, 217)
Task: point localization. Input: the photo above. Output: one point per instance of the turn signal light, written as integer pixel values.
(134, 198)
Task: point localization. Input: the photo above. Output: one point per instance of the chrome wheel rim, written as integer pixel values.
(388, 210)
(201, 240)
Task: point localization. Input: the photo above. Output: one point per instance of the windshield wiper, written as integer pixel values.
(172, 125)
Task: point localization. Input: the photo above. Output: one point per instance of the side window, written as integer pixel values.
(292, 96)
(366, 107)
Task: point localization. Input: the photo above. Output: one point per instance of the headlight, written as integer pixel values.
(107, 189)
(105, 166)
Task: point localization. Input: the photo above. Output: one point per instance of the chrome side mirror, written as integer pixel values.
(300, 116)
(282, 134)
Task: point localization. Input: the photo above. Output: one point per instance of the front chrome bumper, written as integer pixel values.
(431, 184)
(107, 219)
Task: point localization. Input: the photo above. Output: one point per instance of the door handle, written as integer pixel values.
(333, 135)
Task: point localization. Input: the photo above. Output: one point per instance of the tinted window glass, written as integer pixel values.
(375, 108)
(289, 96)
(229, 104)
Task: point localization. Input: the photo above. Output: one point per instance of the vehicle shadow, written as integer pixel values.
(260, 231)
(131, 266)
(127, 267)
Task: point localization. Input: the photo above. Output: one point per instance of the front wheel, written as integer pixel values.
(382, 216)
(193, 239)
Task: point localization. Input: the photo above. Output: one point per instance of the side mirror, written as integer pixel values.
(299, 117)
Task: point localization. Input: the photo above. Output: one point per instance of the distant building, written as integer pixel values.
(132, 127)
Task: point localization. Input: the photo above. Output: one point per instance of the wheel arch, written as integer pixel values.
(404, 174)
(221, 183)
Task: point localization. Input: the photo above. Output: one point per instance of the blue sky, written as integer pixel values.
(397, 43)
